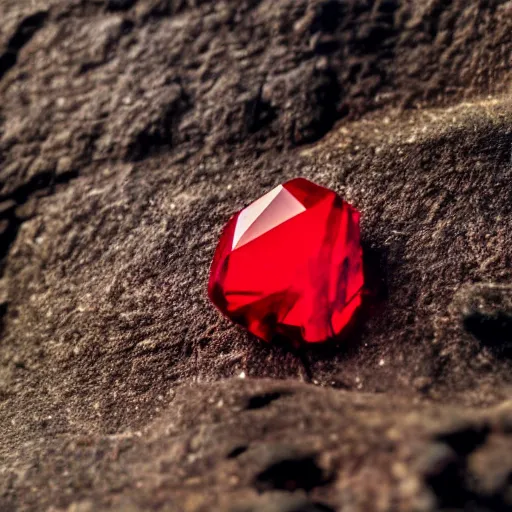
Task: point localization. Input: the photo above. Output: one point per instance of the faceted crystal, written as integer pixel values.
(290, 264)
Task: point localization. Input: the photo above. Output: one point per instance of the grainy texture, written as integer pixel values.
(130, 131)
(211, 449)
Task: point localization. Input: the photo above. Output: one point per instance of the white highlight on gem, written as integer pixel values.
(274, 208)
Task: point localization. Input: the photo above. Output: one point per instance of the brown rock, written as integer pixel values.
(130, 132)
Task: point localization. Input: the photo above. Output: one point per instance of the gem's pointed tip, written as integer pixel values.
(249, 214)
(282, 207)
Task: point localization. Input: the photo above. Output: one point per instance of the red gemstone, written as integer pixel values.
(291, 264)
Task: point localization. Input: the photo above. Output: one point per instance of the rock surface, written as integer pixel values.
(130, 131)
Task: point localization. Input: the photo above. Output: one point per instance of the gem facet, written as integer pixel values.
(290, 264)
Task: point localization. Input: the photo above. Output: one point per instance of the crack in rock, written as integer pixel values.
(24, 33)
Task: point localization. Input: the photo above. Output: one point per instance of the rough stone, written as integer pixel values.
(130, 131)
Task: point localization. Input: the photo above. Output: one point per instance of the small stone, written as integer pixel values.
(64, 165)
(27, 210)
(290, 264)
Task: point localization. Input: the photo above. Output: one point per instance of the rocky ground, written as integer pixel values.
(130, 131)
